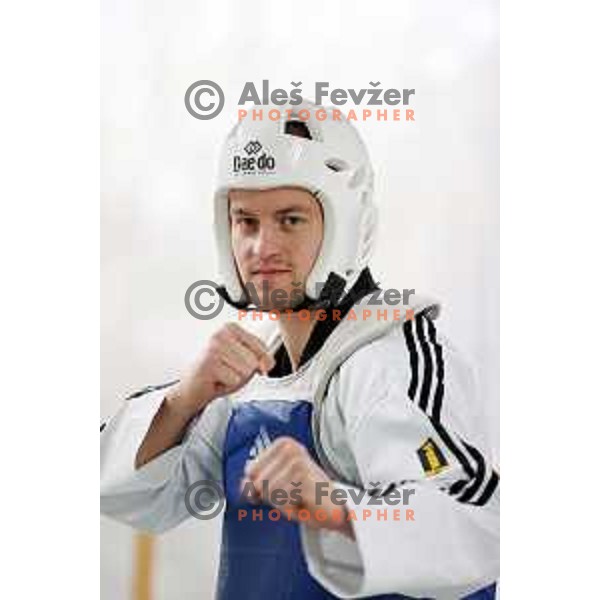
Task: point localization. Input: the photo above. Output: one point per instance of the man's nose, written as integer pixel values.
(267, 242)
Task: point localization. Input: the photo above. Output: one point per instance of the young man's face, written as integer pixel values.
(276, 236)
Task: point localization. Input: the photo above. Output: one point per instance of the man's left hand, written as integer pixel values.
(287, 465)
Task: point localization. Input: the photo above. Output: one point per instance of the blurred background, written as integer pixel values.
(437, 189)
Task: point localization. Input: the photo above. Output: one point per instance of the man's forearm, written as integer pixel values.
(166, 430)
(229, 360)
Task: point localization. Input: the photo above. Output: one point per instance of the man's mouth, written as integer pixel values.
(267, 272)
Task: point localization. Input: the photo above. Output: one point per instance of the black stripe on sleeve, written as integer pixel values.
(151, 388)
(457, 487)
(414, 382)
(436, 409)
(428, 364)
(472, 461)
(489, 490)
(454, 449)
(479, 477)
(413, 356)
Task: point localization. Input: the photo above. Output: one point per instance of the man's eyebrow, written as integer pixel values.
(290, 209)
(240, 212)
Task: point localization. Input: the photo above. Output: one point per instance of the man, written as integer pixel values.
(327, 408)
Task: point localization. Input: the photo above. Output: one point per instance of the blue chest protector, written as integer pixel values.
(262, 558)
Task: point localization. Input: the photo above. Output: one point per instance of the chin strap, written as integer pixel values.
(329, 297)
(241, 305)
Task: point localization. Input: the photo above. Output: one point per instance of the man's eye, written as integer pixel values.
(292, 220)
(245, 221)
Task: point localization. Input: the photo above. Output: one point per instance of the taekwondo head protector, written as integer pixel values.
(322, 154)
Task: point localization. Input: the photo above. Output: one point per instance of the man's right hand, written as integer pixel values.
(231, 357)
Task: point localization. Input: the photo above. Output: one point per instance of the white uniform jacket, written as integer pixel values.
(393, 408)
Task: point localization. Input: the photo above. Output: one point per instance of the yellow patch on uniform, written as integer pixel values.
(431, 457)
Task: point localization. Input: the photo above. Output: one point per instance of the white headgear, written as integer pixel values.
(333, 164)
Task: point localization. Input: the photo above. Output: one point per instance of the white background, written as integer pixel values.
(49, 240)
(437, 186)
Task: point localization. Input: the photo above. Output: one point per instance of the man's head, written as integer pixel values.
(311, 152)
(276, 236)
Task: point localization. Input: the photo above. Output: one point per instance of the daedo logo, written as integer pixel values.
(253, 162)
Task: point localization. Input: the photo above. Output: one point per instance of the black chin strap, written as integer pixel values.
(329, 297)
(241, 305)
